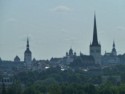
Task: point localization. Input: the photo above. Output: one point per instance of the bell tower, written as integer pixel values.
(28, 56)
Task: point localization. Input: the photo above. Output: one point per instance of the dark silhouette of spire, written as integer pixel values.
(27, 43)
(113, 44)
(95, 37)
(27, 47)
(113, 49)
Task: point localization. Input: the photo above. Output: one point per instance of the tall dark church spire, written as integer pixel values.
(95, 47)
(95, 37)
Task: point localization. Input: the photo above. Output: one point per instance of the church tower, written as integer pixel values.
(95, 47)
(28, 56)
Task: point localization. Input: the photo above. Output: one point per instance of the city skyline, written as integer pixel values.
(55, 27)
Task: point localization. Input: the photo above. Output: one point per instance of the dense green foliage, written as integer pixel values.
(55, 81)
(55, 75)
(66, 88)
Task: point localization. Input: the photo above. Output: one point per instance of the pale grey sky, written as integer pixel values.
(54, 26)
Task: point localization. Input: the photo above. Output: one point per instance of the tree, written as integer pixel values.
(54, 89)
(15, 88)
(122, 89)
(90, 89)
(31, 90)
(3, 89)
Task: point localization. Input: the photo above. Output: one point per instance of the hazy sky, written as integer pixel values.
(54, 26)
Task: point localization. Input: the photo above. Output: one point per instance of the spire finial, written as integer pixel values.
(94, 14)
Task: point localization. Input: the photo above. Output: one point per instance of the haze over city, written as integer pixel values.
(54, 27)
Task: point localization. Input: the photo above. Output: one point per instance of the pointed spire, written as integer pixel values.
(95, 37)
(114, 52)
(27, 46)
(27, 42)
(113, 44)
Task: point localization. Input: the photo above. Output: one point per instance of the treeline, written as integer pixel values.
(55, 75)
(55, 81)
(64, 88)
(70, 76)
